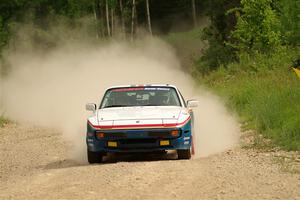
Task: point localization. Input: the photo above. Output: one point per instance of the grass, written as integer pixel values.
(265, 93)
(3, 121)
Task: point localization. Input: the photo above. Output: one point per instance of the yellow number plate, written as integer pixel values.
(112, 144)
(164, 143)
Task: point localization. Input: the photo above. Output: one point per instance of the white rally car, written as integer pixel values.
(140, 118)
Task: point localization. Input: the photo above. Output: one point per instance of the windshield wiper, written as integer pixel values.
(111, 106)
(151, 105)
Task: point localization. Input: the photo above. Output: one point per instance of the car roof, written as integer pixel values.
(141, 85)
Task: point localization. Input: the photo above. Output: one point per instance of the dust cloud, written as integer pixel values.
(52, 89)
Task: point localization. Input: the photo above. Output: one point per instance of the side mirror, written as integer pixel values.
(91, 107)
(192, 103)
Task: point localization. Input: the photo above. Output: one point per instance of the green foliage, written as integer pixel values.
(41, 13)
(112, 3)
(218, 35)
(290, 20)
(268, 100)
(247, 28)
(258, 26)
(213, 57)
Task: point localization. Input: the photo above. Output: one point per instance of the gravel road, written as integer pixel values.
(35, 165)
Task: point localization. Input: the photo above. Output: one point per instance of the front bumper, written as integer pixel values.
(139, 140)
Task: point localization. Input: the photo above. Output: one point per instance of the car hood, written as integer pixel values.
(140, 117)
(139, 113)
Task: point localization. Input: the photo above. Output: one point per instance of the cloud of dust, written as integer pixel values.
(52, 89)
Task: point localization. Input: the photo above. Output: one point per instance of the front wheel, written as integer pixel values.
(184, 154)
(94, 157)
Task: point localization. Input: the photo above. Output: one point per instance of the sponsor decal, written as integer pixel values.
(152, 88)
(140, 88)
(127, 89)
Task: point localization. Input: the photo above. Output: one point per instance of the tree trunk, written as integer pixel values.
(132, 19)
(107, 19)
(122, 18)
(102, 16)
(112, 21)
(96, 18)
(194, 13)
(135, 17)
(148, 17)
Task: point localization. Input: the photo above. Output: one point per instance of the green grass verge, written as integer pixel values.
(260, 88)
(265, 93)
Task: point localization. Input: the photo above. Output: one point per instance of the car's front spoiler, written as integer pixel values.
(139, 140)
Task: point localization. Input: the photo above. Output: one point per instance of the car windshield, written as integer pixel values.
(140, 96)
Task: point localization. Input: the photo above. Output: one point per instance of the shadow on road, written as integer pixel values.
(115, 158)
(140, 157)
(60, 164)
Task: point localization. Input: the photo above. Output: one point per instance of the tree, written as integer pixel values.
(194, 13)
(122, 18)
(289, 14)
(96, 16)
(217, 34)
(133, 9)
(258, 26)
(112, 21)
(107, 18)
(148, 17)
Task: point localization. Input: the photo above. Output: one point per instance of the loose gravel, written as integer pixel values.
(35, 165)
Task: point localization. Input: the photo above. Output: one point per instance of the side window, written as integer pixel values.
(184, 102)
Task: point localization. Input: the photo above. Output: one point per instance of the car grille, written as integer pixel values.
(138, 143)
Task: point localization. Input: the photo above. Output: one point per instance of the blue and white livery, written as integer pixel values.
(140, 118)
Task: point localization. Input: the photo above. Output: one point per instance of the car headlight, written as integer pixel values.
(174, 133)
(100, 135)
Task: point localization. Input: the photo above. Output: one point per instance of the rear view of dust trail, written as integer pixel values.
(52, 89)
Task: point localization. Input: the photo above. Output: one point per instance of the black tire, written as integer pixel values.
(94, 157)
(184, 154)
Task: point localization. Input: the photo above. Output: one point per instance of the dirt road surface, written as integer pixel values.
(35, 165)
